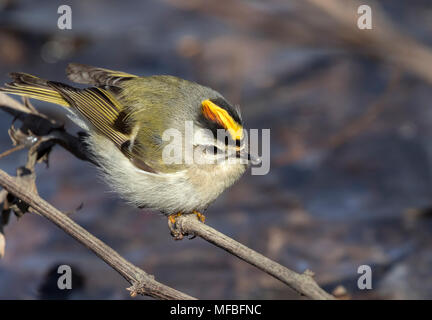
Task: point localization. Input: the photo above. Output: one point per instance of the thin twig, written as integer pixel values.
(12, 150)
(141, 282)
(304, 283)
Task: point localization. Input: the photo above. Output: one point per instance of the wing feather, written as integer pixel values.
(97, 106)
(85, 74)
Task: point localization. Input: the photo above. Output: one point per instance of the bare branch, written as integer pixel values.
(141, 282)
(304, 284)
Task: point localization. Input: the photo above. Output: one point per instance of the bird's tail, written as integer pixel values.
(26, 85)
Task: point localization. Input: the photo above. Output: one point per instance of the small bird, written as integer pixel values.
(126, 117)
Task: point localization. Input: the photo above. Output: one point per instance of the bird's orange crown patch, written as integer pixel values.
(219, 115)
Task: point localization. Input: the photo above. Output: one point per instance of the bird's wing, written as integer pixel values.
(102, 109)
(81, 73)
(97, 106)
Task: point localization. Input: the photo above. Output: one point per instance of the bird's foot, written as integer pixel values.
(172, 225)
(176, 232)
(200, 216)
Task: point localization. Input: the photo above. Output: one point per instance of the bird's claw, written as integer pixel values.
(200, 216)
(176, 232)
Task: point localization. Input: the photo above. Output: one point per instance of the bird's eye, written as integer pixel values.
(237, 142)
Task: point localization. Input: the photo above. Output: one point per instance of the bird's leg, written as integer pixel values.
(172, 217)
(172, 224)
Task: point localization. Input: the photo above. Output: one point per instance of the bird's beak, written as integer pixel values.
(249, 157)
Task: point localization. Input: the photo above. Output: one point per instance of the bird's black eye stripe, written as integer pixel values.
(228, 140)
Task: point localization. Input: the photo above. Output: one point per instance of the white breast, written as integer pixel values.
(184, 191)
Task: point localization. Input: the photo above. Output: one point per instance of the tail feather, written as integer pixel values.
(26, 85)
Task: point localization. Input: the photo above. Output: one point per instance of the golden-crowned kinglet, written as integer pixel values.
(128, 119)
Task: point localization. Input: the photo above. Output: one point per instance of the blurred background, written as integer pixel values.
(351, 144)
